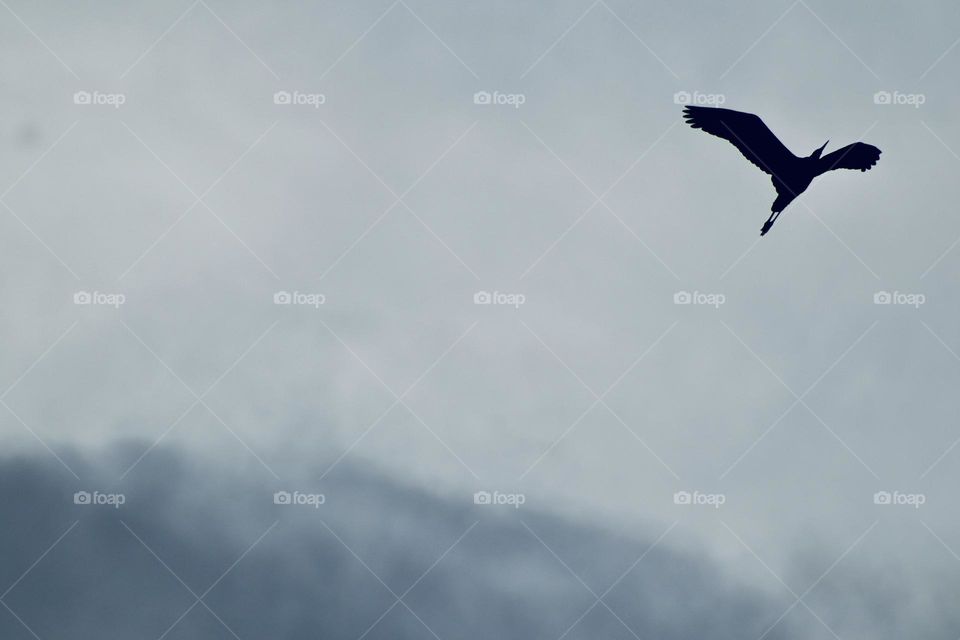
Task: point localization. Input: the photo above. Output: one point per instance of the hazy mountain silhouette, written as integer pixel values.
(790, 174)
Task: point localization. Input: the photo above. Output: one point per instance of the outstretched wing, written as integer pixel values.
(746, 132)
(858, 155)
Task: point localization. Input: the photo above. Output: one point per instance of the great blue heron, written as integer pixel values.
(790, 175)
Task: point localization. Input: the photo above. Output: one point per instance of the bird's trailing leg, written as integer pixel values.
(769, 223)
(785, 196)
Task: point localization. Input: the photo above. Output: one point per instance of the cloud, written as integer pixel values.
(300, 580)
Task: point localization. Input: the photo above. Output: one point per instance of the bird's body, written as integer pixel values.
(790, 174)
(793, 180)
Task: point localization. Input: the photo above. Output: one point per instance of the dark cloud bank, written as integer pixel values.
(302, 581)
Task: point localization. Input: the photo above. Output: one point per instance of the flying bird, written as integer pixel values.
(791, 175)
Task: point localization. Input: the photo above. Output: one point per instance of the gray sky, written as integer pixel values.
(387, 193)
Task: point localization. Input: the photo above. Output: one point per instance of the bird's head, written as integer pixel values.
(816, 154)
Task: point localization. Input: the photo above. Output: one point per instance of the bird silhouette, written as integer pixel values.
(790, 174)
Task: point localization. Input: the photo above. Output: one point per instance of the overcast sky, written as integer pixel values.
(172, 173)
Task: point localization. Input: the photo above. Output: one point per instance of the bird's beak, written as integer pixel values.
(820, 150)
